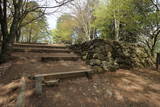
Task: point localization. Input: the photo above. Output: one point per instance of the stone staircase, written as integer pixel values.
(55, 62)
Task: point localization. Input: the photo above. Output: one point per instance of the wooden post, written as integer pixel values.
(39, 85)
(157, 61)
(21, 97)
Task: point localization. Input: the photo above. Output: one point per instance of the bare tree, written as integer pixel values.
(17, 9)
(153, 31)
(82, 11)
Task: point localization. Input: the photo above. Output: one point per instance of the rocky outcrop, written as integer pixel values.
(105, 55)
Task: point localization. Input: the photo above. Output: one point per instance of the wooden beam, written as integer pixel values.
(68, 58)
(64, 75)
(21, 97)
(38, 46)
(51, 82)
(38, 86)
(42, 50)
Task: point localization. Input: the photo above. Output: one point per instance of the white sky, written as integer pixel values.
(52, 20)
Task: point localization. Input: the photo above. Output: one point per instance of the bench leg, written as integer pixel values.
(39, 85)
(88, 75)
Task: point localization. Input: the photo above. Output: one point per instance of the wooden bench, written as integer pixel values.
(63, 75)
(53, 78)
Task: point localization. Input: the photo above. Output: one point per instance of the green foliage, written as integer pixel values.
(65, 29)
(34, 25)
(134, 16)
(133, 21)
(77, 26)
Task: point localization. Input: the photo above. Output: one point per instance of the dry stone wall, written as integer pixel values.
(105, 55)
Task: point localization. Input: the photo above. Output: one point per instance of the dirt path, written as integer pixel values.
(121, 89)
(124, 88)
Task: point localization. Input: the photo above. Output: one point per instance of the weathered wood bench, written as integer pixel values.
(53, 78)
(63, 75)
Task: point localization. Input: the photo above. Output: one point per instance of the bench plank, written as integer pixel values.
(51, 82)
(62, 73)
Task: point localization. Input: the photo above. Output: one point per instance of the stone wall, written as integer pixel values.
(105, 55)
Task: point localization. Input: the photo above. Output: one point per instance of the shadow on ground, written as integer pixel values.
(120, 89)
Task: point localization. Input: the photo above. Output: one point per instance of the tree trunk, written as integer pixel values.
(152, 51)
(30, 35)
(116, 21)
(8, 40)
(93, 33)
(116, 25)
(117, 30)
(5, 51)
(18, 35)
(0, 36)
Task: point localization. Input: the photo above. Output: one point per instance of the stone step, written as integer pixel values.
(39, 46)
(26, 43)
(39, 55)
(41, 50)
(61, 58)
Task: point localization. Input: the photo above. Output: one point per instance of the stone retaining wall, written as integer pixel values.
(105, 55)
